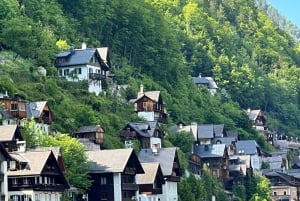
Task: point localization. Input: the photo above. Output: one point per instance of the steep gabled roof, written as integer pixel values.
(247, 147)
(151, 170)
(224, 140)
(153, 95)
(205, 131)
(35, 160)
(253, 114)
(89, 129)
(218, 130)
(144, 128)
(210, 151)
(76, 57)
(7, 132)
(275, 162)
(114, 160)
(35, 109)
(165, 158)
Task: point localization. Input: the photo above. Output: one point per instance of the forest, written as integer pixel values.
(161, 44)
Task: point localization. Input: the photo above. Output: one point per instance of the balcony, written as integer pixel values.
(130, 187)
(96, 76)
(128, 134)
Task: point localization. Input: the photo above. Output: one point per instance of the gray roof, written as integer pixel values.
(205, 131)
(76, 57)
(218, 130)
(210, 150)
(88, 129)
(144, 128)
(224, 140)
(6, 114)
(275, 162)
(165, 158)
(113, 160)
(248, 147)
(209, 81)
(35, 109)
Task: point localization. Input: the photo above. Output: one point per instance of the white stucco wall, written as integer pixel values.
(38, 195)
(169, 192)
(117, 187)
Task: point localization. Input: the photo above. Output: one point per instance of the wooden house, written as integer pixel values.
(91, 136)
(114, 175)
(151, 182)
(15, 106)
(35, 175)
(148, 133)
(11, 138)
(214, 156)
(91, 64)
(169, 162)
(258, 119)
(150, 106)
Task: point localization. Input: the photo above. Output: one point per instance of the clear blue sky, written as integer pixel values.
(289, 8)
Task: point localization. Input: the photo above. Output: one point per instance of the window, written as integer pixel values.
(14, 106)
(66, 72)
(60, 72)
(14, 181)
(145, 104)
(78, 71)
(36, 196)
(25, 181)
(103, 180)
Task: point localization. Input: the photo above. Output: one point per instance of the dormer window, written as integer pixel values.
(12, 165)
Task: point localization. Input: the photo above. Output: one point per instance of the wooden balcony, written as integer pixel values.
(127, 134)
(130, 187)
(96, 76)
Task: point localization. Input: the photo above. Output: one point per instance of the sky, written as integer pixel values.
(288, 8)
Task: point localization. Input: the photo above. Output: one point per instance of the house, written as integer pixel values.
(150, 106)
(35, 175)
(284, 185)
(4, 157)
(249, 152)
(42, 115)
(90, 64)
(214, 156)
(170, 166)
(207, 132)
(17, 110)
(114, 175)
(15, 106)
(258, 119)
(91, 136)
(206, 82)
(11, 138)
(148, 133)
(151, 182)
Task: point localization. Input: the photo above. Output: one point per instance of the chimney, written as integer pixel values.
(200, 74)
(141, 88)
(83, 46)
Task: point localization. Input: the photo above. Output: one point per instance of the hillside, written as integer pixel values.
(162, 44)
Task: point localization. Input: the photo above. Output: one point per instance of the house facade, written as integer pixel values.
(91, 64)
(148, 133)
(151, 182)
(114, 175)
(169, 162)
(17, 111)
(206, 82)
(150, 106)
(35, 175)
